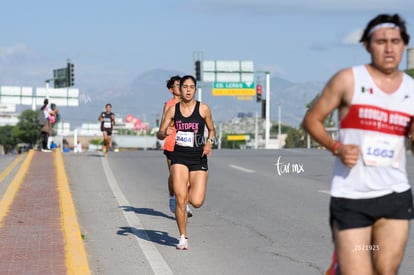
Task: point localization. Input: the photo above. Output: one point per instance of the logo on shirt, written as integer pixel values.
(374, 118)
(367, 90)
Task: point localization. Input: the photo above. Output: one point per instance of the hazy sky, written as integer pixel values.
(112, 42)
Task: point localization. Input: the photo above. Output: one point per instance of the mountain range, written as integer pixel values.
(144, 98)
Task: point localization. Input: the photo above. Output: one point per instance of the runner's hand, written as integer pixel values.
(349, 154)
(208, 147)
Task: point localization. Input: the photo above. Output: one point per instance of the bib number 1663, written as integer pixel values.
(379, 152)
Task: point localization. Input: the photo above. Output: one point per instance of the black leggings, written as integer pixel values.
(44, 138)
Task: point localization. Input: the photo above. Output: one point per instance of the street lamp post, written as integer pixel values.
(267, 108)
(199, 94)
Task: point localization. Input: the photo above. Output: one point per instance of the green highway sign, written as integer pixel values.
(234, 85)
(234, 88)
(60, 77)
(60, 73)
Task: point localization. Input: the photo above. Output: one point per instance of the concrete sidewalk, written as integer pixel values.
(39, 232)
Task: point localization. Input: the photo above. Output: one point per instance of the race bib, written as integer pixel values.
(381, 151)
(107, 124)
(185, 139)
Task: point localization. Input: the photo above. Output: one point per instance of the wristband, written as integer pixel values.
(335, 147)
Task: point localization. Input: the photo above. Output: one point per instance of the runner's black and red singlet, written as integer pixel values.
(189, 139)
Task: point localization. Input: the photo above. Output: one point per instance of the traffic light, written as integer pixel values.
(71, 75)
(198, 70)
(258, 93)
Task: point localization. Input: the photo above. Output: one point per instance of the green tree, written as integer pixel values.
(410, 72)
(295, 138)
(283, 128)
(27, 129)
(7, 138)
(96, 141)
(329, 120)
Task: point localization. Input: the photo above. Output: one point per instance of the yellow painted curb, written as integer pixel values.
(75, 254)
(9, 168)
(14, 186)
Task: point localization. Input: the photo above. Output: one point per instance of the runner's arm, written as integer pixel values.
(330, 99)
(208, 118)
(411, 135)
(166, 121)
(337, 94)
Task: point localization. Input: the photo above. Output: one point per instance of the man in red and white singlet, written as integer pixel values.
(371, 199)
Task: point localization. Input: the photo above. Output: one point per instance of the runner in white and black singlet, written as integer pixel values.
(107, 120)
(189, 168)
(371, 198)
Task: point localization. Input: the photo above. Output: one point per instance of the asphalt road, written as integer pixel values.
(266, 212)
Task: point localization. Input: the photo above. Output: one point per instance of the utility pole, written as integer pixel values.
(256, 132)
(267, 107)
(199, 94)
(267, 119)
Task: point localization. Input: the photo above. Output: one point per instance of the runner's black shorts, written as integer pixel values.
(167, 154)
(193, 163)
(107, 130)
(355, 213)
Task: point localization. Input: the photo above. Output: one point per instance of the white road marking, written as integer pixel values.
(325, 192)
(241, 168)
(154, 258)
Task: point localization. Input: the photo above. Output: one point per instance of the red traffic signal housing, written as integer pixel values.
(259, 93)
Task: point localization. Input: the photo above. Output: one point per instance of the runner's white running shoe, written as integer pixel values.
(172, 204)
(189, 212)
(183, 244)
